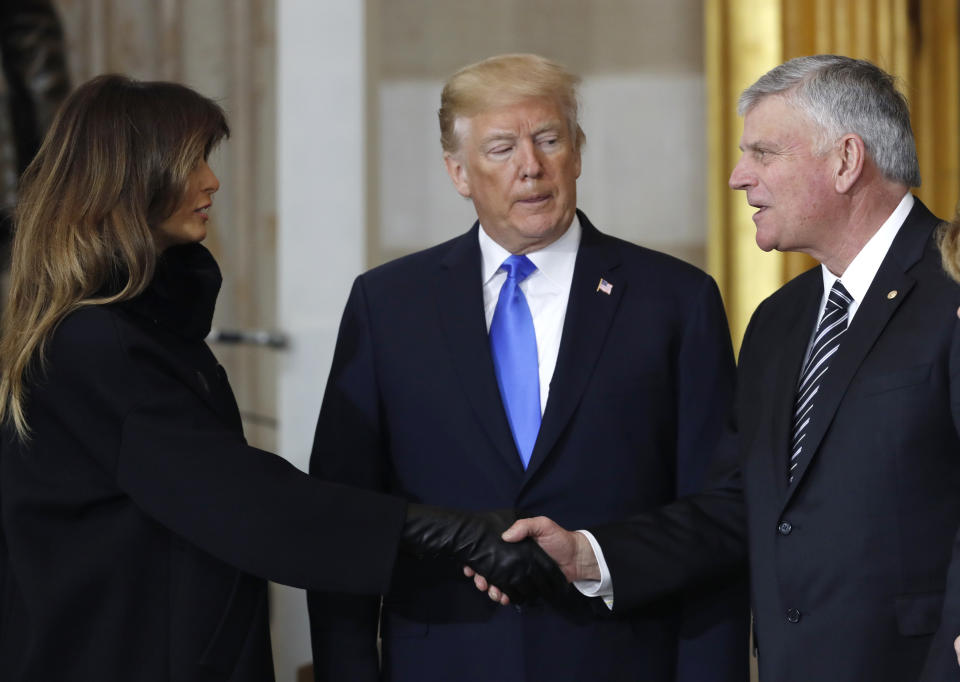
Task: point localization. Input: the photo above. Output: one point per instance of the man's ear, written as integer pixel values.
(457, 171)
(853, 155)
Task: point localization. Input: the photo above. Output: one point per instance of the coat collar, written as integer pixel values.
(180, 301)
(182, 295)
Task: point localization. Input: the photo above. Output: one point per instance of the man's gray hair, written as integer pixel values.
(842, 95)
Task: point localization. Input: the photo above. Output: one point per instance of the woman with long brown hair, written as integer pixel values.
(138, 527)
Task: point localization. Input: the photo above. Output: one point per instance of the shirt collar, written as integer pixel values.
(555, 261)
(860, 273)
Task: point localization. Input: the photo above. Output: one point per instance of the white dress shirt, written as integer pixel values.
(547, 290)
(859, 275)
(856, 279)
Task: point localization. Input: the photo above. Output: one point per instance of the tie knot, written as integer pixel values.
(518, 267)
(839, 297)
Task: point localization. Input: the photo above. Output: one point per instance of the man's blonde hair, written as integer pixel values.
(503, 80)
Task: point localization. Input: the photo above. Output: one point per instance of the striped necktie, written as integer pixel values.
(825, 343)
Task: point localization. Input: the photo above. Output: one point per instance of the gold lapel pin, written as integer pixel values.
(605, 287)
(892, 294)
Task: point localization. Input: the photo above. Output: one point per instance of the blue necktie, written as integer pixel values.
(513, 343)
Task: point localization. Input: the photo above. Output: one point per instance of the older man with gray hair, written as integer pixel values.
(848, 405)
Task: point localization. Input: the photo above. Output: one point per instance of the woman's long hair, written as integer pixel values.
(113, 166)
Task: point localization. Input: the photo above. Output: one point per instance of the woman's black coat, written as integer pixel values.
(138, 527)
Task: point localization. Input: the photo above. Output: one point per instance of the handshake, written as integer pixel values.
(513, 562)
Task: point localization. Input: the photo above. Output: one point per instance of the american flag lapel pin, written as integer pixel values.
(605, 287)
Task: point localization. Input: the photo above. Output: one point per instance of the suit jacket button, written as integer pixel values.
(785, 528)
(793, 615)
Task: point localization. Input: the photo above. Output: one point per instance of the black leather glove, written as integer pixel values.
(520, 569)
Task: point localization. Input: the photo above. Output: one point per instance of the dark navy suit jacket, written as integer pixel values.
(854, 568)
(643, 380)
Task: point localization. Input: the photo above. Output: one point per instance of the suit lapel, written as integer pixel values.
(872, 316)
(589, 314)
(460, 307)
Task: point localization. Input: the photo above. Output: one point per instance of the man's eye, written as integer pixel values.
(500, 150)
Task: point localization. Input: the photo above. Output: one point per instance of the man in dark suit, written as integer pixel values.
(534, 364)
(848, 404)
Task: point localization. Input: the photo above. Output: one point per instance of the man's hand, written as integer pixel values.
(571, 551)
(522, 569)
(956, 642)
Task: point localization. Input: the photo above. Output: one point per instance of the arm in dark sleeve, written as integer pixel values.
(348, 448)
(175, 457)
(941, 663)
(701, 537)
(715, 618)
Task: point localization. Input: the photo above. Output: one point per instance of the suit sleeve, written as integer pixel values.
(700, 538)
(714, 627)
(941, 661)
(173, 455)
(348, 448)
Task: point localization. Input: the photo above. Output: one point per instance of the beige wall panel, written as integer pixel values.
(429, 39)
(133, 40)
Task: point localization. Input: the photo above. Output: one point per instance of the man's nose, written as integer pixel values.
(741, 177)
(528, 160)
